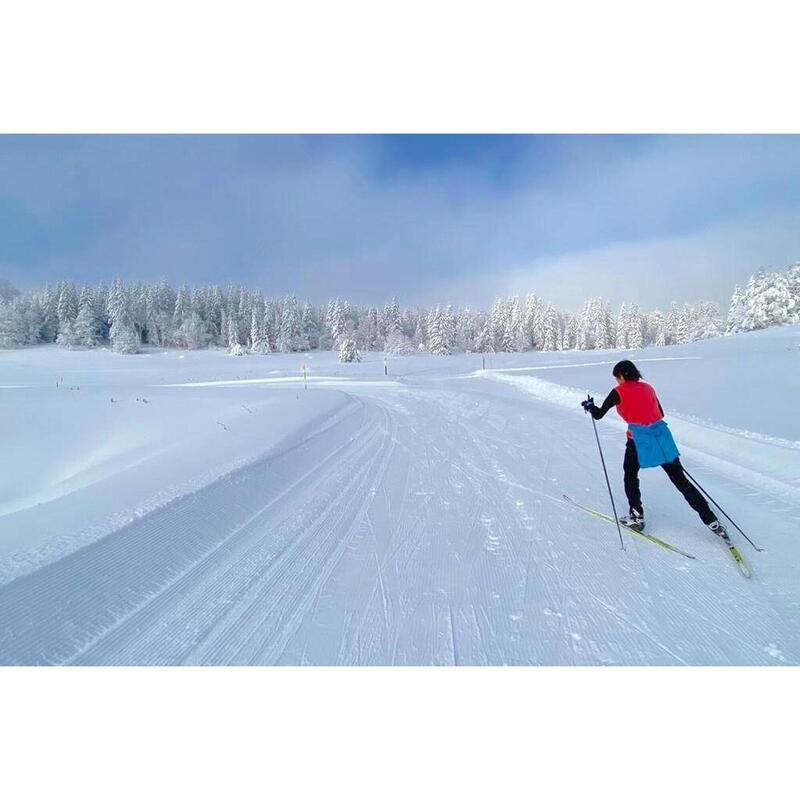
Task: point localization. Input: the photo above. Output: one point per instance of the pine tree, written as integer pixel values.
(420, 333)
(793, 287)
(622, 328)
(289, 339)
(348, 351)
(515, 326)
(13, 328)
(67, 305)
(232, 334)
(673, 321)
(759, 306)
(686, 324)
(657, 329)
(483, 342)
(86, 329)
(551, 337)
(7, 291)
(49, 304)
(123, 335)
(707, 322)
(258, 342)
(336, 321)
(501, 338)
(532, 323)
(735, 318)
(437, 335)
(466, 333)
(194, 333)
(635, 328)
(391, 316)
(309, 330)
(571, 333)
(182, 306)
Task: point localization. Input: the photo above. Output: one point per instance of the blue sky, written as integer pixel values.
(458, 218)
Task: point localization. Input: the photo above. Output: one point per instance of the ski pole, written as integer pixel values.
(688, 475)
(608, 483)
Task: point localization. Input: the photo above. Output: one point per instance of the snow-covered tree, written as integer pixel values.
(391, 318)
(193, 333)
(570, 335)
(483, 341)
(67, 305)
(124, 338)
(657, 328)
(768, 300)
(686, 324)
(348, 351)
(735, 318)
(550, 329)
(622, 328)
(532, 332)
(595, 326)
(13, 326)
(636, 328)
(309, 329)
(437, 334)
(290, 339)
(707, 321)
(398, 344)
(135, 314)
(672, 323)
(257, 340)
(466, 332)
(86, 330)
(336, 320)
(793, 286)
(232, 334)
(7, 291)
(123, 335)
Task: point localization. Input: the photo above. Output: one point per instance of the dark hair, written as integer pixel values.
(626, 369)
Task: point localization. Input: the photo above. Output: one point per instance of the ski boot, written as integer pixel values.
(718, 528)
(633, 520)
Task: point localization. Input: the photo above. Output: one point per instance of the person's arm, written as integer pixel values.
(613, 399)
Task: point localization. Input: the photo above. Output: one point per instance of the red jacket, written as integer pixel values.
(638, 403)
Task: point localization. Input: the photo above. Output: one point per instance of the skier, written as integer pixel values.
(649, 444)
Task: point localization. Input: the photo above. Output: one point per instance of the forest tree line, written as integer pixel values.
(127, 317)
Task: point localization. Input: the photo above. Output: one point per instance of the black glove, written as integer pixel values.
(588, 405)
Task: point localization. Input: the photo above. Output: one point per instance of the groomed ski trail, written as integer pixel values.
(422, 525)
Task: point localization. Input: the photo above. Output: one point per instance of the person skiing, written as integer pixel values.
(649, 444)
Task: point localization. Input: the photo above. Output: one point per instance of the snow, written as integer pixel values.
(236, 517)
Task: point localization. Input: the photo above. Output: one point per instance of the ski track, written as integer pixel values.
(423, 525)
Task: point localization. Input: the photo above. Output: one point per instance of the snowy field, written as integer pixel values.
(195, 508)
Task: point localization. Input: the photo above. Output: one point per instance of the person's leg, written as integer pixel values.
(689, 491)
(630, 467)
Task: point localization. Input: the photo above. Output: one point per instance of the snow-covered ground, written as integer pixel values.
(196, 508)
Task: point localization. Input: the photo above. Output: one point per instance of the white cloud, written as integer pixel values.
(652, 272)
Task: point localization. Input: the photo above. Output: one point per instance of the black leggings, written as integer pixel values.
(676, 474)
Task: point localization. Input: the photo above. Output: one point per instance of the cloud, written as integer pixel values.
(699, 266)
(628, 217)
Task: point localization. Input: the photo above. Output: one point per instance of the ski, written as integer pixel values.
(632, 531)
(743, 566)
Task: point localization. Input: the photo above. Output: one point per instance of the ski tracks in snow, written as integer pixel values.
(422, 525)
